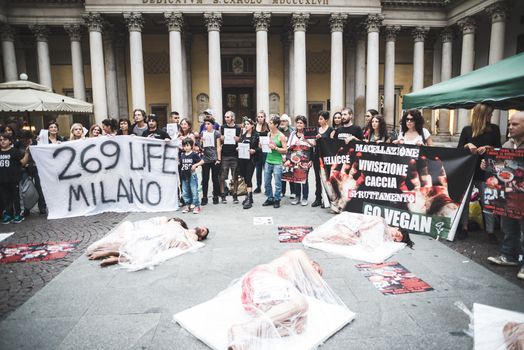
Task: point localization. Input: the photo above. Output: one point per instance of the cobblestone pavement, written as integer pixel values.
(20, 281)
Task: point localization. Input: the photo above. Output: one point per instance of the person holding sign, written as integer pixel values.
(94, 131)
(109, 126)
(229, 139)
(412, 130)
(324, 132)
(273, 166)
(212, 147)
(262, 129)
(297, 141)
(77, 132)
(347, 131)
(124, 127)
(513, 243)
(140, 127)
(154, 131)
(246, 161)
(378, 131)
(53, 136)
(367, 130)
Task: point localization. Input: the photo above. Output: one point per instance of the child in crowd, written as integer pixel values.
(189, 161)
(11, 162)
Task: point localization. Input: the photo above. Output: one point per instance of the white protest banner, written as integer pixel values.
(101, 174)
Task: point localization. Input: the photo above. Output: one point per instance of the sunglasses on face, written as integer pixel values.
(409, 119)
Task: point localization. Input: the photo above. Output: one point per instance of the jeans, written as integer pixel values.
(190, 190)
(300, 189)
(259, 165)
(270, 171)
(512, 245)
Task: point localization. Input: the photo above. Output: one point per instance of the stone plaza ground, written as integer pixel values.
(73, 303)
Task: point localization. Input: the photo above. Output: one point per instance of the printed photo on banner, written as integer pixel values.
(102, 174)
(297, 164)
(293, 234)
(420, 189)
(504, 191)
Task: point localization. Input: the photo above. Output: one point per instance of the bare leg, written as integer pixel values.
(113, 260)
(103, 254)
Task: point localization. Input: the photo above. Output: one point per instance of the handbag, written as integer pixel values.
(28, 192)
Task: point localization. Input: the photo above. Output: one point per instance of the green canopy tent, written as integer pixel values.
(500, 85)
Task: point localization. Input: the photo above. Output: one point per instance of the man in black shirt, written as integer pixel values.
(348, 131)
(229, 154)
(154, 131)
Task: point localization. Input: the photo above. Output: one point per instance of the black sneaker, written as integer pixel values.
(268, 202)
(257, 190)
(224, 200)
(203, 201)
(235, 200)
(276, 204)
(215, 200)
(316, 203)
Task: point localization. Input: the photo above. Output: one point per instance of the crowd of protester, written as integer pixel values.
(215, 148)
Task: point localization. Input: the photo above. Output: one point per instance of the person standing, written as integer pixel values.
(273, 166)
(262, 129)
(140, 127)
(286, 129)
(247, 166)
(189, 162)
(347, 131)
(477, 138)
(154, 131)
(211, 146)
(324, 132)
(512, 246)
(297, 138)
(230, 135)
(412, 130)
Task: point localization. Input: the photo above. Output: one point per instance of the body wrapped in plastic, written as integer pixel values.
(146, 243)
(356, 236)
(284, 304)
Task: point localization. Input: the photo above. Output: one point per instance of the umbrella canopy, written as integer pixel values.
(500, 85)
(26, 96)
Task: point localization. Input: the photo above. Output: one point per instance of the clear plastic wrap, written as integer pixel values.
(357, 236)
(145, 243)
(285, 304)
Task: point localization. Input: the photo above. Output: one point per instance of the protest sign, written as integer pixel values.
(96, 175)
(420, 189)
(298, 162)
(311, 132)
(504, 191)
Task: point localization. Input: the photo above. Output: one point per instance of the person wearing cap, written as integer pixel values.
(209, 112)
(154, 131)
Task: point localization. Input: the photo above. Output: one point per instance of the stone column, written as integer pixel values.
(467, 62)
(447, 55)
(419, 35)
(111, 78)
(8, 53)
(135, 22)
(437, 68)
(186, 68)
(291, 35)
(214, 22)
(498, 13)
(391, 33)
(44, 64)
(175, 22)
(350, 70)
(284, 38)
(121, 73)
(336, 22)
(360, 76)
(300, 22)
(261, 22)
(75, 35)
(373, 23)
(96, 49)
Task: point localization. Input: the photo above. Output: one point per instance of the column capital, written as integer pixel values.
(498, 11)
(391, 32)
(337, 21)
(74, 31)
(134, 21)
(299, 21)
(467, 25)
(373, 22)
(41, 32)
(213, 21)
(419, 33)
(174, 21)
(261, 20)
(94, 21)
(446, 35)
(8, 33)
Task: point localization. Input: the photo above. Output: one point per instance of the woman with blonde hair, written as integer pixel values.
(477, 138)
(77, 132)
(94, 131)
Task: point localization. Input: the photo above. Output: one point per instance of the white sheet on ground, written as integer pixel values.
(355, 236)
(211, 320)
(488, 322)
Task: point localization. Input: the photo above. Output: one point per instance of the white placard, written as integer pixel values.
(208, 139)
(263, 220)
(264, 143)
(5, 235)
(101, 174)
(243, 151)
(229, 136)
(172, 130)
(43, 137)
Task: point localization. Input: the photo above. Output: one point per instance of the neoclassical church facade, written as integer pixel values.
(280, 56)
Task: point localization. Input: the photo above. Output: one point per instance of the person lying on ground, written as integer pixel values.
(141, 242)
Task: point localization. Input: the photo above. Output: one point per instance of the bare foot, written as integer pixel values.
(109, 261)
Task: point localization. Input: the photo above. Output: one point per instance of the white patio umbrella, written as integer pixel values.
(26, 96)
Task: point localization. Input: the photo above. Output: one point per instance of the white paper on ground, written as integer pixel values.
(358, 252)
(263, 220)
(5, 235)
(488, 322)
(211, 320)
